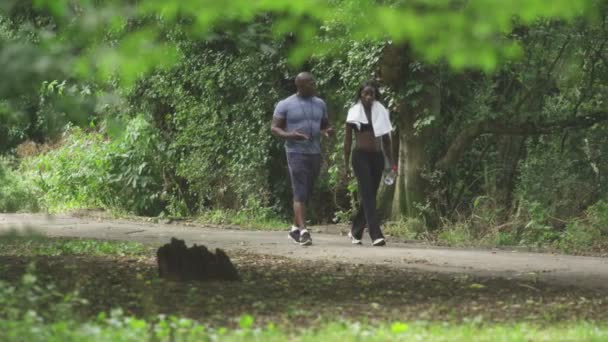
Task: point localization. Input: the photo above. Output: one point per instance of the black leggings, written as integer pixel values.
(368, 167)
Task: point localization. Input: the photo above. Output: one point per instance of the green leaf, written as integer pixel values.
(246, 322)
(399, 328)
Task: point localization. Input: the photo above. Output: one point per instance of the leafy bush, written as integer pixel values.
(91, 170)
(590, 232)
(533, 226)
(75, 174)
(563, 174)
(530, 226)
(16, 194)
(481, 227)
(214, 110)
(136, 162)
(536, 230)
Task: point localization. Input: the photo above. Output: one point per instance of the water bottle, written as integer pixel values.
(390, 176)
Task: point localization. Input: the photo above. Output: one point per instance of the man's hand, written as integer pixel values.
(295, 135)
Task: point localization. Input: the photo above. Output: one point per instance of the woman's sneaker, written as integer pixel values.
(354, 240)
(294, 234)
(305, 238)
(379, 242)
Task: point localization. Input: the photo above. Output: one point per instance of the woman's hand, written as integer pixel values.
(346, 174)
(329, 132)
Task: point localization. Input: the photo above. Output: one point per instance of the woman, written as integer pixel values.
(370, 121)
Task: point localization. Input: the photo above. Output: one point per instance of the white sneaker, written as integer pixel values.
(379, 242)
(305, 239)
(294, 234)
(353, 240)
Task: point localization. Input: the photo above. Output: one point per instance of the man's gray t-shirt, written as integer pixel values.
(303, 115)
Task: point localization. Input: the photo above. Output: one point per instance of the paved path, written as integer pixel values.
(591, 272)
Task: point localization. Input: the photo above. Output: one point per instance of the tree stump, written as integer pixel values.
(180, 263)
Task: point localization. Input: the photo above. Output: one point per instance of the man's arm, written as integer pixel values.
(277, 128)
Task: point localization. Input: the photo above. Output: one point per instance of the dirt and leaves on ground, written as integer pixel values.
(109, 275)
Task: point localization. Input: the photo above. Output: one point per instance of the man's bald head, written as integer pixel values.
(305, 83)
(304, 76)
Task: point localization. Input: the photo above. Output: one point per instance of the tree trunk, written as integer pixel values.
(410, 190)
(180, 263)
(511, 149)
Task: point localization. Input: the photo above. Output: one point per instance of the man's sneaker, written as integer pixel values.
(354, 240)
(294, 234)
(305, 239)
(379, 242)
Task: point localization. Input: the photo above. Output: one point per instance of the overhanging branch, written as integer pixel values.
(469, 134)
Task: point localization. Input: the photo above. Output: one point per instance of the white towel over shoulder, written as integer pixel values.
(380, 118)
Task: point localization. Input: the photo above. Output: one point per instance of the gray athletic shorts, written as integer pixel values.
(303, 171)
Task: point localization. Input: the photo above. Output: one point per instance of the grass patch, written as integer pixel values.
(262, 219)
(16, 194)
(123, 328)
(271, 290)
(411, 228)
(85, 293)
(33, 244)
(532, 227)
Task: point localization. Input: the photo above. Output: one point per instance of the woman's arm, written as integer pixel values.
(348, 140)
(387, 147)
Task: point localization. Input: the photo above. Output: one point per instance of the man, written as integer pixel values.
(301, 119)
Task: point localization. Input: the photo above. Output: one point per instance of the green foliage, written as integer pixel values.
(410, 228)
(532, 226)
(12, 128)
(31, 244)
(563, 174)
(119, 327)
(27, 62)
(33, 309)
(89, 170)
(520, 186)
(479, 228)
(74, 174)
(15, 193)
(136, 164)
(248, 217)
(537, 230)
(43, 94)
(590, 232)
(210, 140)
(458, 234)
(207, 77)
(221, 119)
(469, 34)
(33, 302)
(213, 110)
